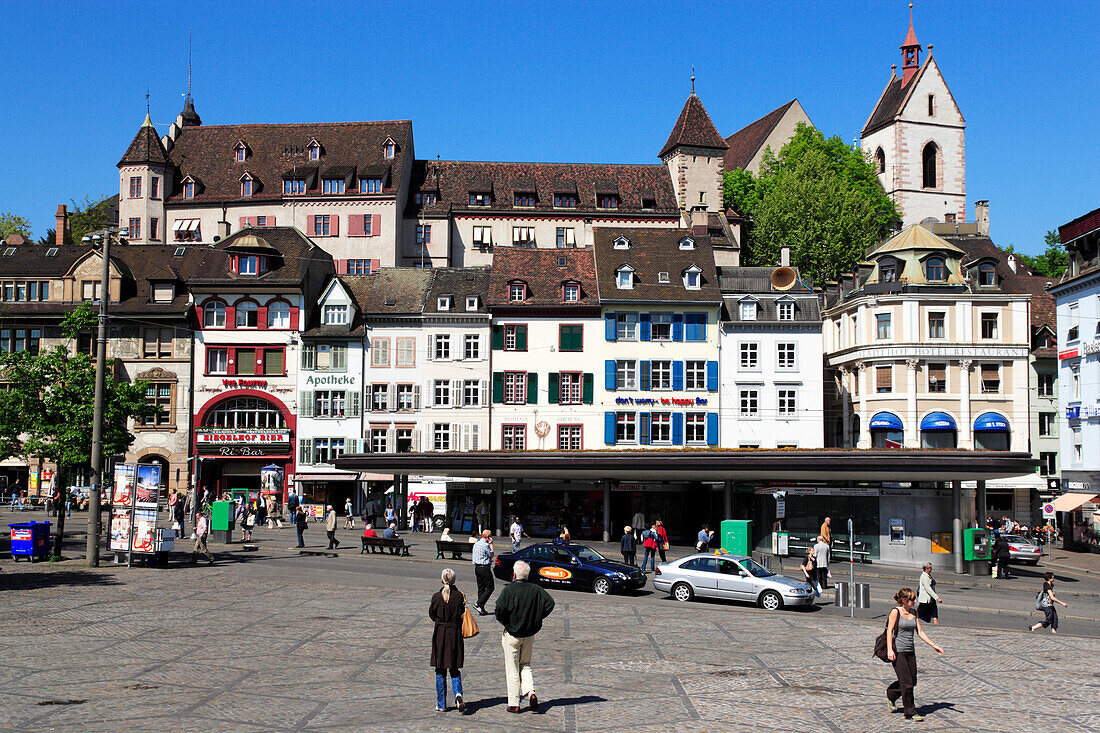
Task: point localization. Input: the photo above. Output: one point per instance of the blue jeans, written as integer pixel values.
(515, 546)
(301, 542)
(441, 686)
(650, 556)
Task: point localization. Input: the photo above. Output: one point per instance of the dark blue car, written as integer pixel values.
(571, 566)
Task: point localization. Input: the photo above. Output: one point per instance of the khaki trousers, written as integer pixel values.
(517, 666)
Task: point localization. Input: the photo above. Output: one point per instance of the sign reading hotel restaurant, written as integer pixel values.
(215, 436)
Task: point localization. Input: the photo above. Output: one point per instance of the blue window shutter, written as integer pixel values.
(677, 326)
(609, 326)
(712, 376)
(701, 329)
(647, 324)
(689, 327)
(609, 374)
(643, 375)
(677, 428)
(677, 375)
(712, 428)
(643, 428)
(609, 428)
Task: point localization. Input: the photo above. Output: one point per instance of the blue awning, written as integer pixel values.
(991, 421)
(885, 421)
(938, 421)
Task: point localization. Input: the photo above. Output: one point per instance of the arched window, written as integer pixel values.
(987, 274)
(880, 161)
(887, 431)
(244, 412)
(934, 270)
(213, 314)
(929, 160)
(991, 432)
(938, 430)
(247, 314)
(278, 314)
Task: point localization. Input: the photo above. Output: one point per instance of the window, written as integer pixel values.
(135, 229)
(880, 161)
(471, 302)
(660, 374)
(515, 337)
(991, 378)
(929, 162)
(244, 361)
(1046, 424)
(884, 379)
(626, 427)
(570, 388)
(157, 343)
(569, 437)
(379, 442)
(380, 352)
(748, 311)
(1077, 446)
(471, 393)
(934, 269)
(247, 314)
(570, 337)
(624, 278)
(241, 153)
(480, 199)
(246, 187)
(245, 412)
(379, 397)
(750, 401)
(1073, 332)
(695, 375)
(329, 403)
(278, 314)
(333, 185)
(989, 325)
(442, 346)
(523, 236)
(987, 274)
(695, 428)
(750, 355)
(607, 201)
(135, 187)
(784, 355)
(513, 437)
(882, 325)
(403, 440)
(937, 378)
(159, 394)
(248, 265)
(626, 326)
(322, 225)
(662, 277)
(515, 388)
(388, 149)
(189, 189)
(571, 292)
(687, 242)
(441, 393)
(660, 427)
(21, 339)
(626, 374)
(888, 270)
(524, 199)
(424, 234)
(1075, 374)
(931, 105)
(565, 237)
(471, 346)
(154, 187)
(294, 186)
(565, 200)
(335, 315)
(1046, 385)
(90, 290)
(217, 361)
(443, 303)
(405, 397)
(154, 228)
(517, 292)
(787, 399)
(621, 242)
(483, 236)
(424, 199)
(1048, 464)
(30, 291)
(660, 326)
(692, 279)
(314, 152)
(935, 325)
(786, 310)
(327, 450)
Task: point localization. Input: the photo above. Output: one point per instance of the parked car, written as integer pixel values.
(734, 577)
(1021, 549)
(571, 566)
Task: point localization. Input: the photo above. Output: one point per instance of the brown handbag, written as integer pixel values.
(469, 623)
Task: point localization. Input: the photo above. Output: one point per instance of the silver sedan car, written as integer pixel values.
(735, 577)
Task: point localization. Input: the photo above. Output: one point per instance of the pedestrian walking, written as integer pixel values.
(349, 518)
(517, 534)
(649, 547)
(1045, 601)
(826, 532)
(1001, 555)
(639, 525)
(300, 524)
(292, 504)
(391, 514)
(17, 497)
(330, 527)
(703, 540)
(927, 597)
(202, 529)
(448, 646)
(809, 569)
(662, 540)
(248, 521)
(181, 515)
(481, 511)
(521, 608)
(902, 652)
(821, 560)
(627, 546)
(483, 571)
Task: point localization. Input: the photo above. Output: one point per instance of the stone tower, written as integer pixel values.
(143, 185)
(693, 154)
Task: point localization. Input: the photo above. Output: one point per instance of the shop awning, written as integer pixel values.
(991, 421)
(301, 477)
(1069, 502)
(938, 421)
(885, 421)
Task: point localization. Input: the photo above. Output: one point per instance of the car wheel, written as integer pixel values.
(771, 601)
(601, 585)
(682, 592)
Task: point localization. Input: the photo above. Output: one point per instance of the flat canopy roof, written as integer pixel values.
(704, 465)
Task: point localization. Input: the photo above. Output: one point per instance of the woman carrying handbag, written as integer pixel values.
(809, 567)
(448, 611)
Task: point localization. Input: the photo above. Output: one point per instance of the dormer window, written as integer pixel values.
(424, 199)
(335, 315)
(785, 309)
(648, 204)
(565, 200)
(249, 265)
(624, 277)
(247, 185)
(389, 148)
(471, 302)
(294, 186)
(240, 152)
(622, 242)
(443, 303)
(888, 269)
(524, 200)
(748, 310)
(333, 185)
(188, 188)
(987, 274)
(662, 277)
(571, 292)
(163, 292)
(371, 185)
(313, 150)
(693, 278)
(480, 198)
(687, 243)
(934, 270)
(607, 201)
(517, 292)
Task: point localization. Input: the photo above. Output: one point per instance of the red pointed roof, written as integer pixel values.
(145, 147)
(911, 37)
(693, 128)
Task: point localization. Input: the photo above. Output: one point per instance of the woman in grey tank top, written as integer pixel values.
(902, 627)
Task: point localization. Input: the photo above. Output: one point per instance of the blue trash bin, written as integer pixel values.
(30, 540)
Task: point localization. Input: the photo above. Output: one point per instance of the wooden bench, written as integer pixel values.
(396, 545)
(455, 548)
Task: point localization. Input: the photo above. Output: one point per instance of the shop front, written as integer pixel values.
(330, 488)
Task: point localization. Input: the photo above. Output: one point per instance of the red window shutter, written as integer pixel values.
(199, 315)
(261, 317)
(341, 267)
(355, 225)
(230, 316)
(310, 225)
(244, 222)
(270, 221)
(335, 225)
(375, 224)
(293, 318)
(374, 265)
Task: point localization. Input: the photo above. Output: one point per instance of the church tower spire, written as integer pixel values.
(910, 52)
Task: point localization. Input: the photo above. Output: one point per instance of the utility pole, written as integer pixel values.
(92, 550)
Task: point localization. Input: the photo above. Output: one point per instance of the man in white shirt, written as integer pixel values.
(821, 562)
(516, 532)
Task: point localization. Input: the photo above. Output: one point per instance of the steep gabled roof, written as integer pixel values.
(390, 291)
(651, 252)
(145, 147)
(889, 106)
(746, 142)
(543, 271)
(694, 129)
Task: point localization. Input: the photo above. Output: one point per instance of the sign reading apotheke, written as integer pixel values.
(331, 380)
(214, 436)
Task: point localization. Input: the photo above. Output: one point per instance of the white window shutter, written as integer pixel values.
(429, 395)
(391, 398)
(416, 396)
(475, 436)
(457, 397)
(391, 439)
(305, 404)
(431, 347)
(416, 439)
(305, 450)
(353, 410)
(484, 392)
(454, 436)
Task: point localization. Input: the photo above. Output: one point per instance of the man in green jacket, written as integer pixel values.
(521, 608)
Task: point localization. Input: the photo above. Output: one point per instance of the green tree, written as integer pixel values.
(48, 406)
(14, 224)
(1052, 262)
(820, 196)
(90, 216)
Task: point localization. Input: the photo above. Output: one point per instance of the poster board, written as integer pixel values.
(120, 530)
(124, 484)
(314, 511)
(147, 486)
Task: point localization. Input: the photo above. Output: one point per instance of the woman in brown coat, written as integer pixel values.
(448, 649)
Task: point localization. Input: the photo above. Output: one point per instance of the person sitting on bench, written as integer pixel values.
(390, 533)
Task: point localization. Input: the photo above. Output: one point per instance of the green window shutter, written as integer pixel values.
(553, 396)
(498, 388)
(532, 388)
(563, 338)
(569, 338)
(498, 338)
(586, 389)
(521, 337)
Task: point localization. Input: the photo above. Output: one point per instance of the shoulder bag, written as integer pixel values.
(880, 641)
(469, 623)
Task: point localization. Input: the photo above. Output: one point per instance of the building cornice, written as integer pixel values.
(889, 352)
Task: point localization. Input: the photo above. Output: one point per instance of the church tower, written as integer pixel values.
(916, 137)
(694, 156)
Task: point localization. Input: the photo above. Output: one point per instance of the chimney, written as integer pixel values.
(981, 216)
(785, 255)
(62, 226)
(699, 221)
(1011, 262)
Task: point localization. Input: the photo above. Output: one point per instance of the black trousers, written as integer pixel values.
(1002, 569)
(332, 541)
(630, 558)
(905, 667)
(485, 584)
(823, 577)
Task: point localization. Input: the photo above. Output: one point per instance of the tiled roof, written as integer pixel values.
(544, 271)
(746, 142)
(651, 252)
(1079, 226)
(693, 128)
(888, 107)
(207, 153)
(807, 308)
(145, 147)
(296, 254)
(755, 280)
(453, 181)
(390, 291)
(458, 282)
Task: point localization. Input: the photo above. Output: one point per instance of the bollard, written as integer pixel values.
(862, 595)
(842, 595)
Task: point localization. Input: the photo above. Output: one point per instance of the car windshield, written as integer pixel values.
(1016, 538)
(755, 569)
(587, 554)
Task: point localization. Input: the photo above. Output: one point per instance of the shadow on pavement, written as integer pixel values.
(936, 706)
(563, 701)
(38, 580)
(472, 706)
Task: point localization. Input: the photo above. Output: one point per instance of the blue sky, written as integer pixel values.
(578, 82)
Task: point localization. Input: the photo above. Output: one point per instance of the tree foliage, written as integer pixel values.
(820, 196)
(90, 216)
(14, 224)
(1052, 262)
